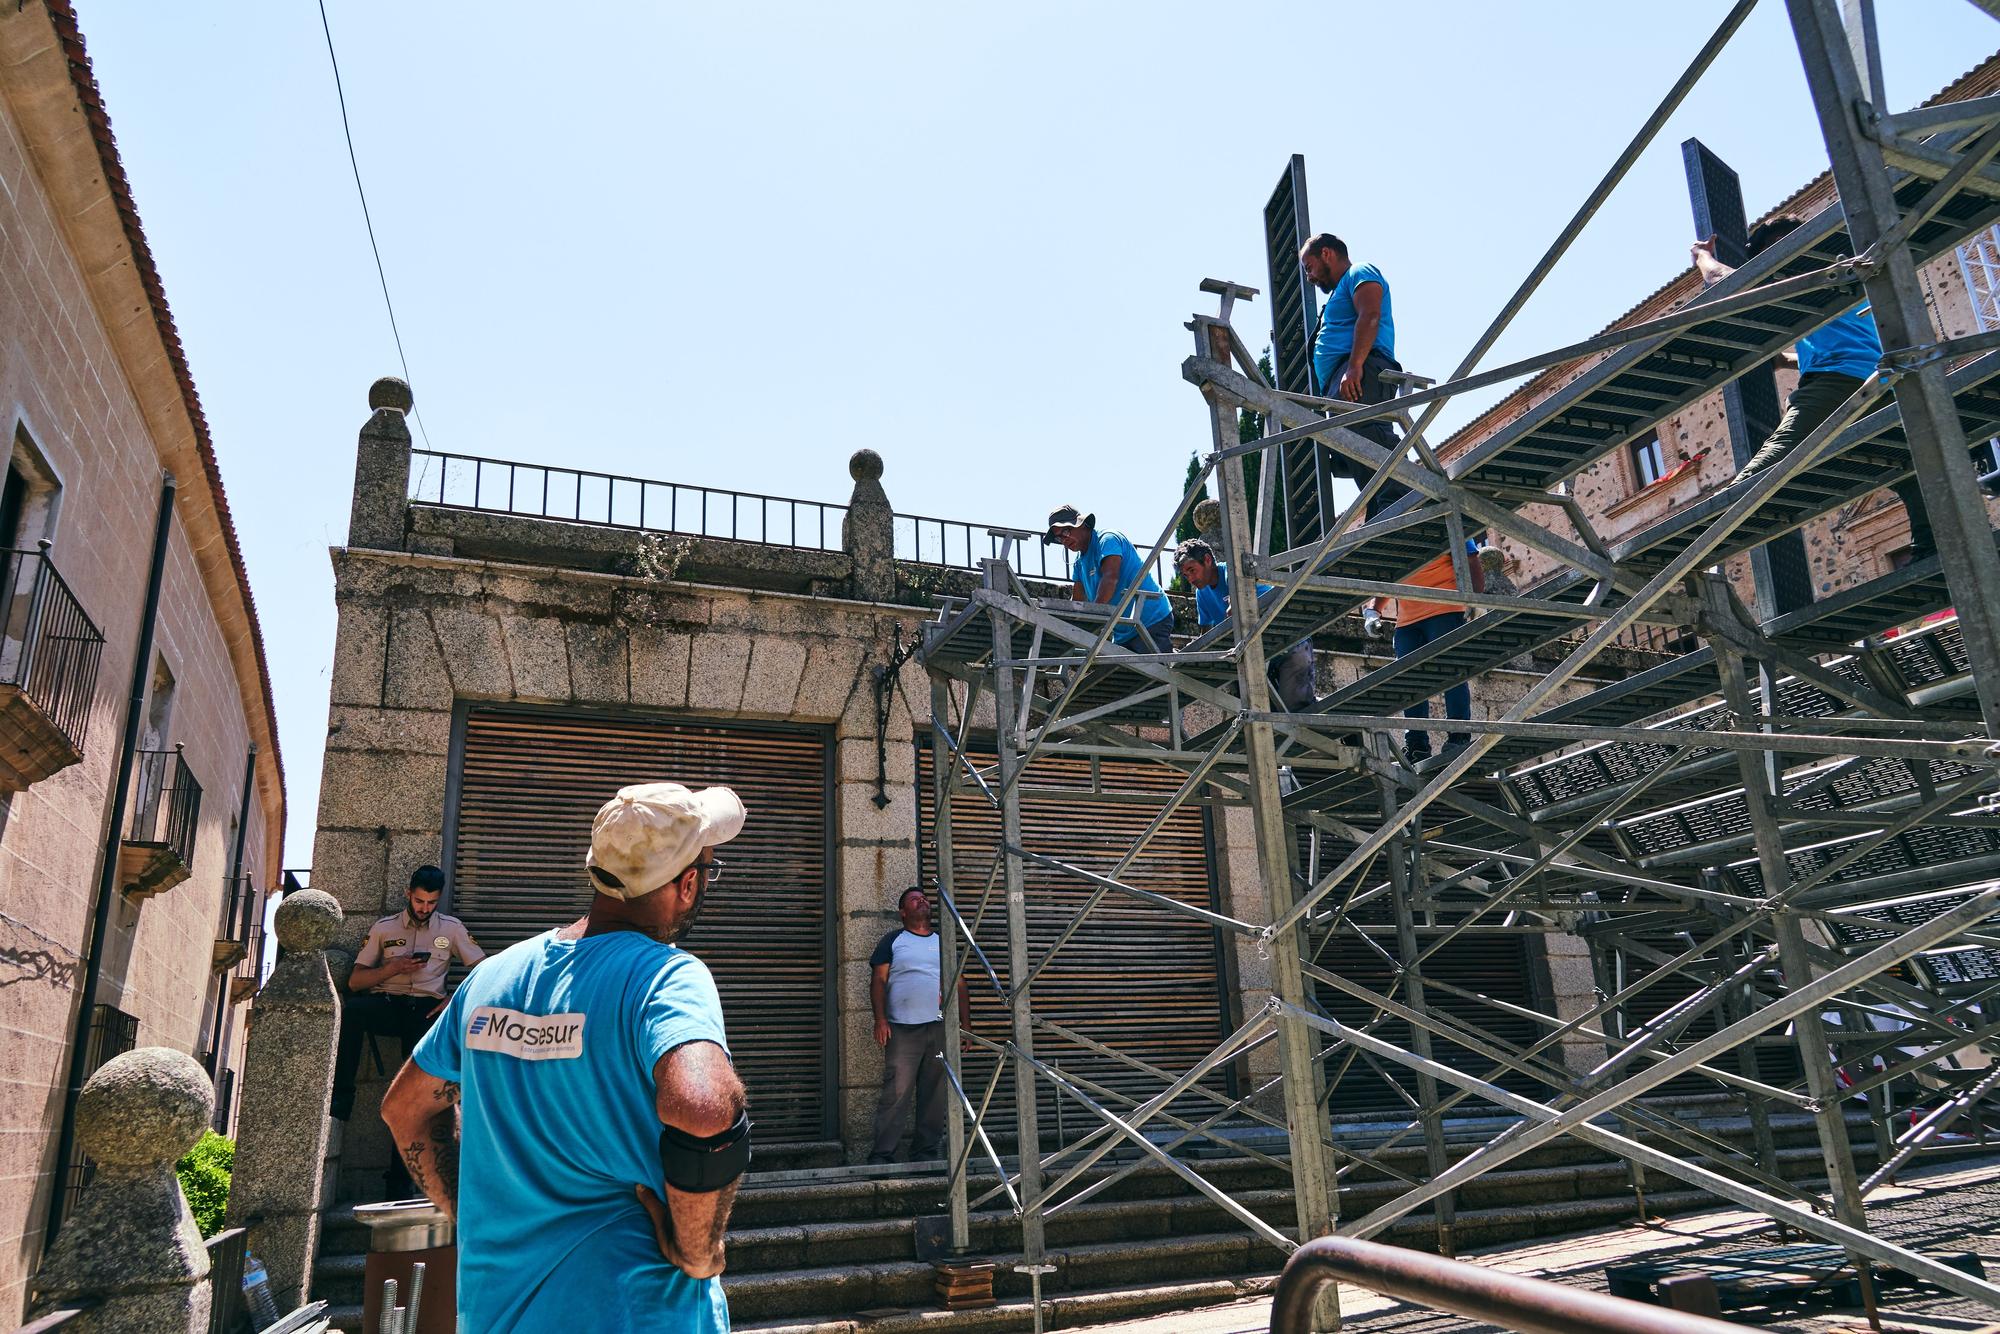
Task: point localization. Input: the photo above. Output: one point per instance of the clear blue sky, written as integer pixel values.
(730, 244)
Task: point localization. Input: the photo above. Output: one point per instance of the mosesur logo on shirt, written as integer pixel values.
(528, 1037)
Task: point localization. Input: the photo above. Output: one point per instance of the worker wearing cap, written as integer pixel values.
(1106, 565)
(1419, 624)
(1291, 672)
(600, 1128)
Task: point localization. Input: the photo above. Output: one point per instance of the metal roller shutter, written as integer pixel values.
(1134, 977)
(1496, 965)
(525, 787)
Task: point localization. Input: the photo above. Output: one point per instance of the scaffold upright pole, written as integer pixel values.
(1313, 1181)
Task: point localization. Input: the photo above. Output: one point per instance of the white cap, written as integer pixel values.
(651, 832)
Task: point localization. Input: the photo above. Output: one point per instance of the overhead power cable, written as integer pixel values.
(367, 219)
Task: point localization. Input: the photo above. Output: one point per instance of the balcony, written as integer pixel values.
(49, 652)
(241, 927)
(158, 849)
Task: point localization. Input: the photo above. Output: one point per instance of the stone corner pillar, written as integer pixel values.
(281, 1129)
(382, 469)
(868, 533)
(132, 1245)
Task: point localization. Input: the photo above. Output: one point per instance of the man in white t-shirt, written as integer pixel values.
(907, 989)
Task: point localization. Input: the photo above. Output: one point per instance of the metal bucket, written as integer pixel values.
(400, 1234)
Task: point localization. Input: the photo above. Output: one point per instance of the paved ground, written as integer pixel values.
(1950, 1207)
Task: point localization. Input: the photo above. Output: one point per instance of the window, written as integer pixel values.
(1649, 461)
(33, 495)
(1979, 262)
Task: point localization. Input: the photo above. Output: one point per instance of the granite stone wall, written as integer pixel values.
(83, 417)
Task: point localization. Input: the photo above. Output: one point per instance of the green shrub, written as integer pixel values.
(204, 1175)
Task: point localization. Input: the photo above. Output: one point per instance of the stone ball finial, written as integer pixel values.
(1207, 517)
(391, 392)
(144, 1109)
(865, 466)
(306, 920)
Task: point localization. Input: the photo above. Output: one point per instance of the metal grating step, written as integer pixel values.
(1699, 828)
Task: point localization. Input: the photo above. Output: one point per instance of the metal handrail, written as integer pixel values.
(1511, 1301)
(614, 500)
(478, 485)
(49, 647)
(166, 802)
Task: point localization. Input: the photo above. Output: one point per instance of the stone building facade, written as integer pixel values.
(96, 402)
(477, 648)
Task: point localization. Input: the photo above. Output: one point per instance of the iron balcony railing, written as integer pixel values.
(166, 803)
(611, 500)
(242, 912)
(48, 646)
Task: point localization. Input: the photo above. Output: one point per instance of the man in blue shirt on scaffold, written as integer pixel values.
(1106, 565)
(1355, 344)
(1833, 360)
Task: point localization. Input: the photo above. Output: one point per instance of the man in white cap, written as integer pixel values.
(574, 1109)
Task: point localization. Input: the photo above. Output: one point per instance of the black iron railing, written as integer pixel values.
(112, 1033)
(226, 1249)
(242, 912)
(48, 646)
(611, 500)
(166, 803)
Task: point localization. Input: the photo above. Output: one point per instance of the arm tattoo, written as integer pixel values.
(444, 1150)
(446, 1093)
(433, 1161)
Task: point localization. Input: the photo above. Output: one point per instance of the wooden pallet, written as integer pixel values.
(1712, 1283)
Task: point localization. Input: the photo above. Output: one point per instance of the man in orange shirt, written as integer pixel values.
(1417, 624)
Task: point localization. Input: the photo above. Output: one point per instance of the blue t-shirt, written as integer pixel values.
(1150, 606)
(1846, 346)
(1336, 325)
(553, 1044)
(1211, 605)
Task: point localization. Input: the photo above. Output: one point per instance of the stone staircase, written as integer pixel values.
(816, 1250)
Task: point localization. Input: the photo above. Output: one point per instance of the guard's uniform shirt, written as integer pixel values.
(443, 937)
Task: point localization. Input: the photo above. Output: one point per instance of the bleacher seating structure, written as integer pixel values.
(1640, 819)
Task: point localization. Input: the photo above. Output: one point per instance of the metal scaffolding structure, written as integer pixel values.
(1781, 850)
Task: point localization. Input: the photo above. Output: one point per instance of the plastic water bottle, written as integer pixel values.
(257, 1293)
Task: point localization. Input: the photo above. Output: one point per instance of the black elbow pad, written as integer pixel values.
(702, 1164)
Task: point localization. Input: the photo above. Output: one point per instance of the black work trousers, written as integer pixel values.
(374, 1013)
(1333, 463)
